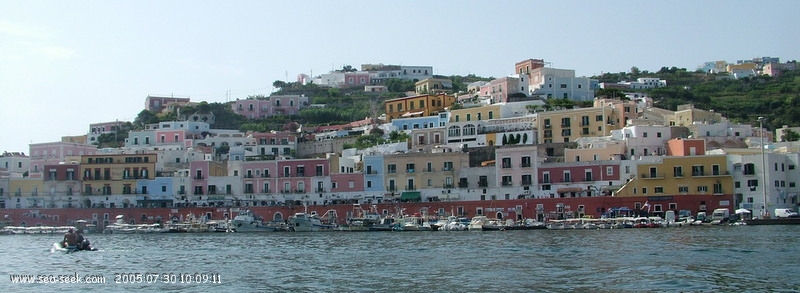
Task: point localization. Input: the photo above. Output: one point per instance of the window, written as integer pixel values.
(391, 168)
(567, 177)
(546, 177)
(702, 189)
(677, 171)
(659, 189)
(683, 189)
(526, 161)
(749, 169)
(697, 171)
(588, 175)
(717, 188)
(609, 170)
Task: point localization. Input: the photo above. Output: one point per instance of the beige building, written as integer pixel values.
(425, 139)
(407, 175)
(107, 174)
(596, 150)
(688, 114)
(433, 86)
(417, 106)
(568, 125)
(681, 176)
(476, 113)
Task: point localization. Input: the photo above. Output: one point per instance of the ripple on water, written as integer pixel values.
(681, 259)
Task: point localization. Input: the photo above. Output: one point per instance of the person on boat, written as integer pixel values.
(71, 239)
(81, 241)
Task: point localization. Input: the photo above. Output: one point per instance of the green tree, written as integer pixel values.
(790, 135)
(279, 84)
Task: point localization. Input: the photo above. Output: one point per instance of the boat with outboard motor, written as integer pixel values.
(83, 246)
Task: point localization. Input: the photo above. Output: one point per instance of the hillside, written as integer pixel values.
(741, 100)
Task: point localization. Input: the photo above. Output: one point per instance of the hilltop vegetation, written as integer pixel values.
(741, 100)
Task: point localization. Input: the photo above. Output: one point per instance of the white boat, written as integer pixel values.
(477, 222)
(220, 226)
(245, 221)
(305, 222)
(556, 225)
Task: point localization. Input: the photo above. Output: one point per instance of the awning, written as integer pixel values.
(412, 114)
(569, 189)
(410, 195)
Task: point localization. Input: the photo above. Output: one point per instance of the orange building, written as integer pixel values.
(417, 106)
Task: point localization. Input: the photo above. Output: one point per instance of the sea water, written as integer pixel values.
(689, 259)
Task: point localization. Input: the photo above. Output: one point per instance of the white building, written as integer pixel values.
(560, 83)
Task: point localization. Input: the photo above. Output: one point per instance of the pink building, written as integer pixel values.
(273, 105)
(580, 179)
(516, 166)
(156, 104)
(301, 176)
(170, 136)
(680, 147)
(51, 153)
(347, 182)
(358, 78)
(259, 177)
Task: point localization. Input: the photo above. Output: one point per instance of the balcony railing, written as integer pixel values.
(652, 175)
(507, 183)
(447, 186)
(483, 184)
(463, 184)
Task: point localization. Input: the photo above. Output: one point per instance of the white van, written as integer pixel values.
(785, 213)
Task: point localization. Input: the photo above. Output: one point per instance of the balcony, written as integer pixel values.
(525, 165)
(652, 176)
(411, 187)
(319, 190)
(264, 175)
(409, 170)
(248, 176)
(507, 183)
(709, 174)
(463, 185)
(447, 186)
(527, 183)
(483, 184)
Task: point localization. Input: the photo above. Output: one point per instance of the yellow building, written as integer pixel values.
(108, 174)
(26, 193)
(408, 174)
(567, 125)
(598, 151)
(688, 114)
(476, 113)
(689, 175)
(433, 86)
(417, 106)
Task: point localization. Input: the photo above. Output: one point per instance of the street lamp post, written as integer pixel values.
(763, 166)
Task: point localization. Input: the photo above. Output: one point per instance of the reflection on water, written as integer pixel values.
(755, 258)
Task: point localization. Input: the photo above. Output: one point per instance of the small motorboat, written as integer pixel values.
(60, 247)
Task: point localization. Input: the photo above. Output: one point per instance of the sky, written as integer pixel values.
(66, 64)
